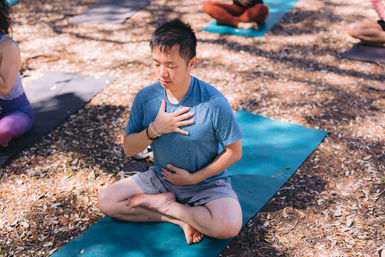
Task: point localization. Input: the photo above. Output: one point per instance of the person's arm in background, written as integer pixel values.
(10, 63)
(379, 6)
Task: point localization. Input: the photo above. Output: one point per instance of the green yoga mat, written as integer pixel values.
(272, 151)
(277, 9)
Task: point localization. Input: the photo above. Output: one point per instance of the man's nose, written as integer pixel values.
(163, 72)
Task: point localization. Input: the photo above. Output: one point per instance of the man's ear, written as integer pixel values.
(192, 63)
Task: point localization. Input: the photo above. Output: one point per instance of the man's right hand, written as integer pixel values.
(170, 122)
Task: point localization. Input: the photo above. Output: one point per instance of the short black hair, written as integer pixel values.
(5, 19)
(175, 32)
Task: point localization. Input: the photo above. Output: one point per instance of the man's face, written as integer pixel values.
(170, 68)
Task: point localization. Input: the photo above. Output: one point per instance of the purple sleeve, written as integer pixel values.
(379, 7)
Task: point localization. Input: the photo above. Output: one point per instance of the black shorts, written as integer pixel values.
(250, 4)
(382, 24)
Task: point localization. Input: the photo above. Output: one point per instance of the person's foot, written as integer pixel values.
(192, 235)
(248, 25)
(381, 251)
(371, 43)
(154, 202)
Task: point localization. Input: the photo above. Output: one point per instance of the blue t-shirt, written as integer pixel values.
(214, 125)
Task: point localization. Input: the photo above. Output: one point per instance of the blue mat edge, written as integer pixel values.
(212, 27)
(322, 138)
(12, 2)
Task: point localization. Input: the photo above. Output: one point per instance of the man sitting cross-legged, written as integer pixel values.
(185, 120)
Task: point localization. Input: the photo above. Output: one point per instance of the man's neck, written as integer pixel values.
(176, 95)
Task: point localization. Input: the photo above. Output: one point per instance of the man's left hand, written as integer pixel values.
(181, 177)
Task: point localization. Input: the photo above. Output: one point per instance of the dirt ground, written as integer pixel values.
(333, 205)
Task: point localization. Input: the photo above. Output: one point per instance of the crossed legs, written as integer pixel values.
(236, 16)
(125, 200)
(369, 32)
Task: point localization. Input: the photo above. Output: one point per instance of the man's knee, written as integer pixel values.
(104, 203)
(228, 229)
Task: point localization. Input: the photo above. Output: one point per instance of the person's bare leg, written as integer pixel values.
(114, 202)
(253, 16)
(141, 214)
(224, 14)
(221, 218)
(369, 32)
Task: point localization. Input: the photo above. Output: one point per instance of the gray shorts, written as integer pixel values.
(194, 195)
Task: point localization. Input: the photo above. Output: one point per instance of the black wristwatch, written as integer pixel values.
(148, 136)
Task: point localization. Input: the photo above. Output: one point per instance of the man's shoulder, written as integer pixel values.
(208, 90)
(149, 92)
(154, 86)
(212, 97)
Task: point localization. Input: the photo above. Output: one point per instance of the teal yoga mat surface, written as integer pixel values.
(272, 151)
(12, 2)
(277, 9)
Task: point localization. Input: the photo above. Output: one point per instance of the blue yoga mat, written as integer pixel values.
(12, 2)
(277, 9)
(272, 151)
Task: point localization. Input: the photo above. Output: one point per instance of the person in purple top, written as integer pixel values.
(194, 137)
(371, 32)
(16, 115)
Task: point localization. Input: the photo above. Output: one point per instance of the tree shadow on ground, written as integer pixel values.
(95, 145)
(298, 193)
(56, 15)
(289, 55)
(96, 133)
(299, 21)
(57, 220)
(92, 138)
(89, 141)
(343, 108)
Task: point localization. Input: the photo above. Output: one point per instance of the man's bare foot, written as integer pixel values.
(248, 25)
(371, 43)
(154, 202)
(192, 235)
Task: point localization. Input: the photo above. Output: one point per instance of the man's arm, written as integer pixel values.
(136, 142)
(230, 154)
